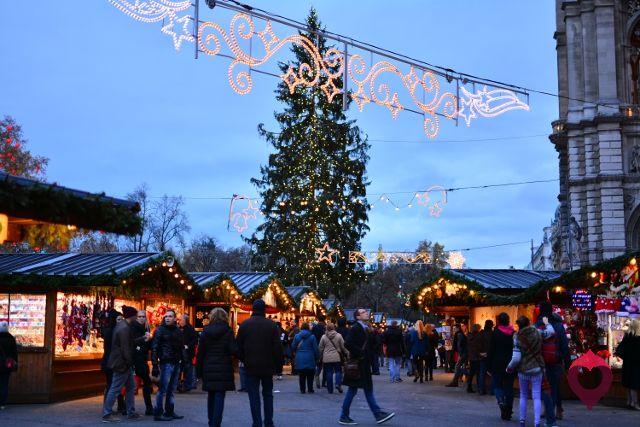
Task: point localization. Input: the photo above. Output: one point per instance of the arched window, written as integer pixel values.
(633, 230)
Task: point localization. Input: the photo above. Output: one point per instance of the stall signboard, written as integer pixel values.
(582, 300)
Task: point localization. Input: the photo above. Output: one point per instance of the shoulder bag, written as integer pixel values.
(352, 367)
(336, 349)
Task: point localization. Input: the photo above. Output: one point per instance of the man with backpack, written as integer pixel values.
(555, 352)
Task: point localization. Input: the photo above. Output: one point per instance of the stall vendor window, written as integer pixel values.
(156, 308)
(26, 316)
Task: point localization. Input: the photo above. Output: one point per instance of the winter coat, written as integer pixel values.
(121, 357)
(331, 347)
(306, 349)
(355, 342)
(434, 340)
(259, 345)
(142, 347)
(318, 330)
(418, 346)
(563, 342)
(527, 351)
(629, 351)
(9, 349)
(485, 338)
(475, 346)
(342, 330)
(167, 345)
(189, 339)
(394, 341)
(214, 363)
(460, 345)
(500, 349)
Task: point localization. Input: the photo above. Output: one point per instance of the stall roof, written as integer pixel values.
(73, 264)
(245, 281)
(329, 303)
(378, 317)
(507, 278)
(35, 200)
(297, 292)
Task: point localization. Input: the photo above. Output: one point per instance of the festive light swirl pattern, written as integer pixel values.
(308, 74)
(240, 220)
(367, 91)
(487, 103)
(159, 10)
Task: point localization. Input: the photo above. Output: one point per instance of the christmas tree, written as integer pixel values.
(314, 187)
(15, 159)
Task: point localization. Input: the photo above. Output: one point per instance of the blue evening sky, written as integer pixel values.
(113, 105)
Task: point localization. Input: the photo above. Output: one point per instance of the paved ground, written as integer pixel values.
(414, 404)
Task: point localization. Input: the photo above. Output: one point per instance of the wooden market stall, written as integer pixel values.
(334, 309)
(309, 305)
(56, 305)
(475, 295)
(236, 292)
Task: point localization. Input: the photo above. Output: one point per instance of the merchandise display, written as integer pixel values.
(80, 320)
(26, 316)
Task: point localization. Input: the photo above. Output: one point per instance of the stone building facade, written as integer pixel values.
(597, 135)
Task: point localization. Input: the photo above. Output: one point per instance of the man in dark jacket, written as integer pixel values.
(121, 363)
(460, 347)
(260, 350)
(190, 337)
(356, 343)
(165, 356)
(554, 369)
(485, 337)
(394, 341)
(140, 329)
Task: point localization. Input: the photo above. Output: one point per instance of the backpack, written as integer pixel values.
(551, 350)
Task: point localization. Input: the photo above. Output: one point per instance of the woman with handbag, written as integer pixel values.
(307, 353)
(8, 361)
(333, 352)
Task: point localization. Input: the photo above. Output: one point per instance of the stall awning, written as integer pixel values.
(34, 200)
(506, 278)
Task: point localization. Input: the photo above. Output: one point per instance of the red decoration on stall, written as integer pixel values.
(589, 396)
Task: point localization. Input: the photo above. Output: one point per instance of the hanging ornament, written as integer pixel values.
(326, 253)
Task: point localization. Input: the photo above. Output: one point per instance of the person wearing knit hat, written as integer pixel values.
(258, 338)
(121, 362)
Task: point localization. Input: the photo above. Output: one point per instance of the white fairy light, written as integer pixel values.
(456, 260)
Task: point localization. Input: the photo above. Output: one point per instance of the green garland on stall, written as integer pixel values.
(217, 282)
(260, 290)
(576, 279)
(49, 203)
(130, 284)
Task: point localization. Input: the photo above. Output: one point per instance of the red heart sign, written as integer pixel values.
(590, 396)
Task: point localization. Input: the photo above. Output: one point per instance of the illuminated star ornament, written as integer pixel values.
(326, 253)
(488, 103)
(455, 260)
(183, 33)
(240, 220)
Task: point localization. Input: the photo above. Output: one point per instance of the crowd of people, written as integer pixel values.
(537, 353)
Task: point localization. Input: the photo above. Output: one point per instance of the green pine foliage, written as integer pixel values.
(313, 188)
(15, 159)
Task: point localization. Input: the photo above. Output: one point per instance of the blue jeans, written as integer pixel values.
(481, 376)
(536, 382)
(552, 397)
(253, 388)
(169, 377)
(243, 378)
(371, 400)
(188, 377)
(503, 388)
(120, 379)
(215, 406)
(330, 369)
(394, 368)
